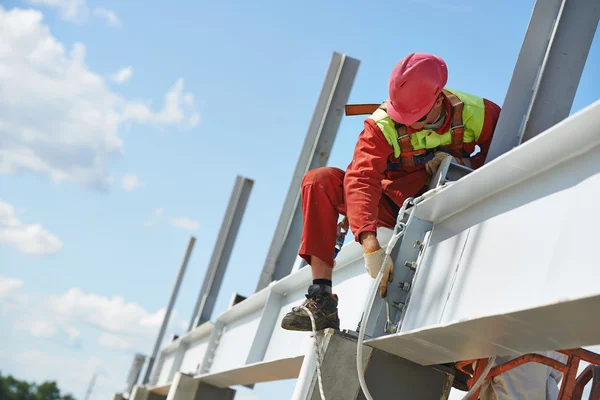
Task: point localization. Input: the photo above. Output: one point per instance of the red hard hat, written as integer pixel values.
(415, 83)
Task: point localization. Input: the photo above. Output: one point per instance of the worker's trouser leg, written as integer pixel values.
(531, 381)
(322, 204)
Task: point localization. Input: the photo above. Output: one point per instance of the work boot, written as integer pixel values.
(323, 306)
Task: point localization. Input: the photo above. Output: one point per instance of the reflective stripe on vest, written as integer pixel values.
(467, 113)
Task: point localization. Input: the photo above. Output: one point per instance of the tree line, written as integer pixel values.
(14, 389)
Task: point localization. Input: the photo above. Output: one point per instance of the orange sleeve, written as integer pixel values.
(362, 182)
(490, 119)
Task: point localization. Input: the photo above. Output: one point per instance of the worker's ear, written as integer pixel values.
(439, 100)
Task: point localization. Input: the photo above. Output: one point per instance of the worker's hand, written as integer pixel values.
(343, 226)
(433, 165)
(373, 262)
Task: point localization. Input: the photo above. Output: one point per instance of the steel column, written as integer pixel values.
(167, 316)
(134, 372)
(220, 256)
(547, 72)
(315, 153)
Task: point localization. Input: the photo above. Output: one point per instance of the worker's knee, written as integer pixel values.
(323, 176)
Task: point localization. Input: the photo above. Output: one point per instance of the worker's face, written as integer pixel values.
(431, 116)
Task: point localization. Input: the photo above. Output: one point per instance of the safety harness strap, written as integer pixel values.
(409, 157)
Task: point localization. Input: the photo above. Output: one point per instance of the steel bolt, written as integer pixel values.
(411, 264)
(397, 305)
(418, 245)
(404, 286)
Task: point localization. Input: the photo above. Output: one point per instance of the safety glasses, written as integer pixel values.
(426, 115)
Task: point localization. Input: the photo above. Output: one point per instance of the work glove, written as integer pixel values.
(433, 165)
(373, 263)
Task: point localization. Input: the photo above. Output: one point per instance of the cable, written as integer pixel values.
(361, 333)
(317, 351)
(479, 382)
(399, 231)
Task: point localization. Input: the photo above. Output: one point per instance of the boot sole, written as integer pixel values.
(291, 326)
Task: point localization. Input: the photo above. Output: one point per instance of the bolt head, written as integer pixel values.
(411, 264)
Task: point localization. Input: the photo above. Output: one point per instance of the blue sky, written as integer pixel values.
(124, 124)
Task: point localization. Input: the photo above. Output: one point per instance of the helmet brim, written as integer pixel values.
(408, 118)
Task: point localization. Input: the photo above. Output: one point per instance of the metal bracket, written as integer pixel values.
(406, 251)
(448, 171)
(390, 312)
(213, 345)
(408, 259)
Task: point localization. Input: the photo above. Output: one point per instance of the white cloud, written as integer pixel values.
(28, 239)
(108, 15)
(110, 314)
(39, 325)
(122, 75)
(11, 297)
(178, 222)
(130, 182)
(77, 10)
(57, 116)
(113, 341)
(122, 325)
(72, 332)
(36, 327)
(71, 10)
(184, 223)
(154, 218)
(9, 286)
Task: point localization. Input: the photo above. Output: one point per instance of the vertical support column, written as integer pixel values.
(179, 354)
(315, 153)
(266, 326)
(220, 256)
(185, 387)
(167, 316)
(139, 393)
(547, 72)
(134, 372)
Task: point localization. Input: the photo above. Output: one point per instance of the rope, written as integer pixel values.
(317, 351)
(479, 382)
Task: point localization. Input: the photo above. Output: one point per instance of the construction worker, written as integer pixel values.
(400, 148)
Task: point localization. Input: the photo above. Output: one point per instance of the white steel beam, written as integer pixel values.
(220, 256)
(516, 270)
(547, 72)
(562, 325)
(284, 368)
(315, 153)
(571, 139)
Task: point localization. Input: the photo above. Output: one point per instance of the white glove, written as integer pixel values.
(373, 263)
(433, 165)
